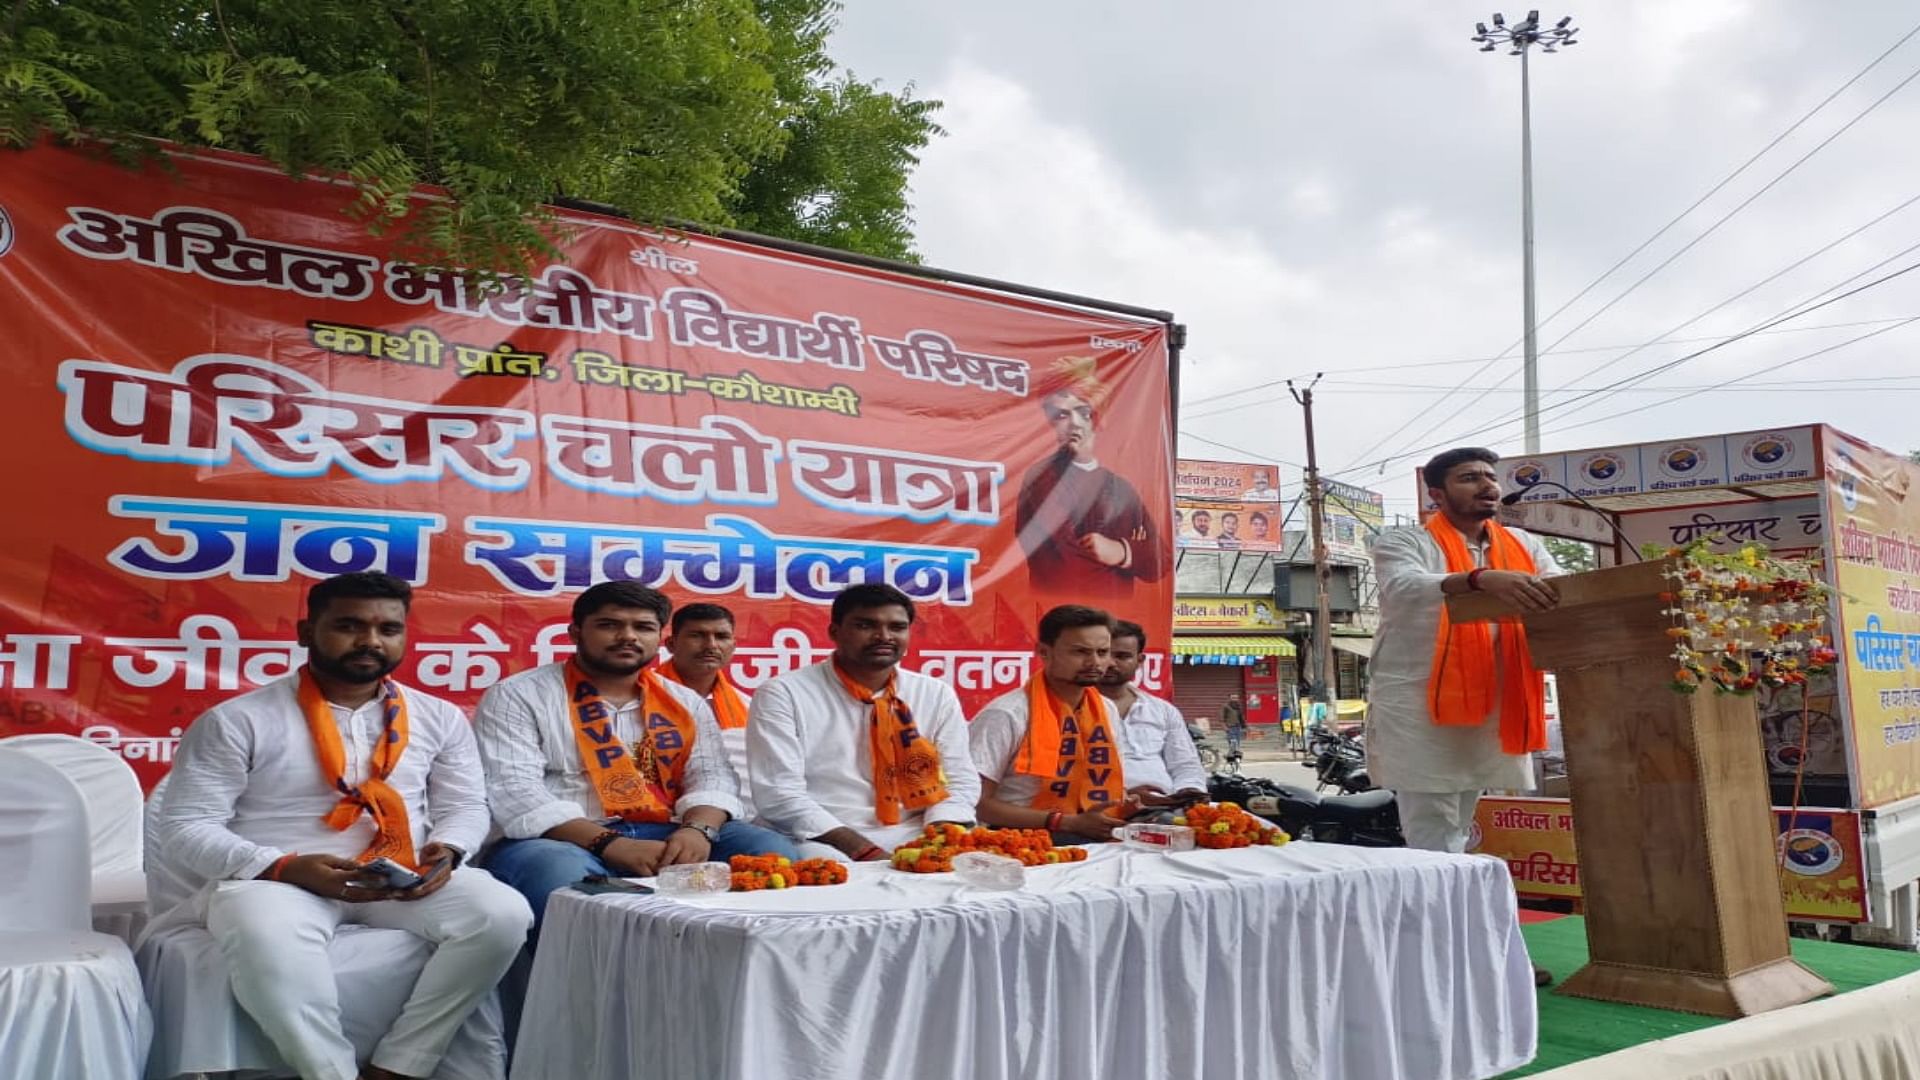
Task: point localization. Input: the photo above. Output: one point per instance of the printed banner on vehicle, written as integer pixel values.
(1823, 873)
(222, 390)
(1873, 502)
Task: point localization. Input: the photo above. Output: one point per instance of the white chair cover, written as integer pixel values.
(70, 999)
(112, 794)
(200, 1028)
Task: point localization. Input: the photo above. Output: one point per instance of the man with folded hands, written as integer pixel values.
(856, 755)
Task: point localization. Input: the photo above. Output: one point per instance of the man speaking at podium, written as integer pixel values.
(1455, 708)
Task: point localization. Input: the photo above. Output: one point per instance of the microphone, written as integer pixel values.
(1512, 497)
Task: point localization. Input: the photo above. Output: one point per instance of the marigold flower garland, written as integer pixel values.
(933, 850)
(1744, 619)
(1225, 825)
(752, 873)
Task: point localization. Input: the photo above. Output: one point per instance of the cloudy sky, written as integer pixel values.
(1336, 188)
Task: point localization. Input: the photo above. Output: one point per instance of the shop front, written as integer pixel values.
(1225, 645)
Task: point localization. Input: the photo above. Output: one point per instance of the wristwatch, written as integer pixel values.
(711, 832)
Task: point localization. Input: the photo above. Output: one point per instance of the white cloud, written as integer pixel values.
(1304, 205)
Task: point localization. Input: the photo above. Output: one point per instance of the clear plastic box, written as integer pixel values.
(985, 870)
(694, 879)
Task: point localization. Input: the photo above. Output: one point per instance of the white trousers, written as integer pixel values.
(1437, 820)
(274, 937)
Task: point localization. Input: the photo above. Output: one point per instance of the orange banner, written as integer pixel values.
(222, 390)
(1824, 871)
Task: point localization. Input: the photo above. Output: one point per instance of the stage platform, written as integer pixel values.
(1577, 1029)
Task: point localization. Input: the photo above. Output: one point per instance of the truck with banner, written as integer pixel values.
(1849, 742)
(223, 390)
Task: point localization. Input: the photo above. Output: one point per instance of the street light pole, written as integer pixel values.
(1522, 37)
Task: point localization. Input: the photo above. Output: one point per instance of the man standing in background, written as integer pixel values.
(1233, 717)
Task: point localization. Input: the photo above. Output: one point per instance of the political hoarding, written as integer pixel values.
(1352, 515)
(224, 390)
(1227, 506)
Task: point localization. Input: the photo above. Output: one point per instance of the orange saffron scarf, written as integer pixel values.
(393, 833)
(1463, 687)
(1072, 749)
(632, 791)
(907, 772)
(729, 708)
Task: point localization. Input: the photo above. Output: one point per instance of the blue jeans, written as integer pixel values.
(538, 866)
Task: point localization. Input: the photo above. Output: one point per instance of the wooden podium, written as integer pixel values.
(1673, 820)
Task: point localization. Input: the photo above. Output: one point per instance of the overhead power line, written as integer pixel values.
(1763, 151)
(1794, 312)
(1187, 416)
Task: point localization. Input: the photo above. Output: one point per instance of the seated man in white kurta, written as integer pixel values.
(278, 796)
(1047, 753)
(1157, 752)
(855, 756)
(701, 644)
(600, 765)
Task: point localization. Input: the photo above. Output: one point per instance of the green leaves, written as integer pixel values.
(715, 112)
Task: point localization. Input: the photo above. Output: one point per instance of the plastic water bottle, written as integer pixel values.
(1145, 836)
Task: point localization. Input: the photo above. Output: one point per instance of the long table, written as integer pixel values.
(1307, 961)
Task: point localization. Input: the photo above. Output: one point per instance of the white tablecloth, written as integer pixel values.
(1308, 961)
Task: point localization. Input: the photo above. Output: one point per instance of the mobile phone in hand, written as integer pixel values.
(392, 874)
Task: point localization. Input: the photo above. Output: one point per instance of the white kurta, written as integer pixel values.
(246, 786)
(1406, 750)
(1156, 747)
(812, 767)
(994, 739)
(1149, 751)
(735, 740)
(536, 778)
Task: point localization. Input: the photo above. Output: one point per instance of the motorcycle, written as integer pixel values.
(1338, 759)
(1212, 757)
(1367, 819)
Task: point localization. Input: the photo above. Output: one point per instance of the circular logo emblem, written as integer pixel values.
(1602, 468)
(1526, 473)
(1681, 461)
(1809, 852)
(6, 231)
(1764, 451)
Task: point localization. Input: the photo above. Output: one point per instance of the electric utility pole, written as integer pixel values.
(1322, 660)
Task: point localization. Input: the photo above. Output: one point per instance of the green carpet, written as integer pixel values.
(1574, 1029)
